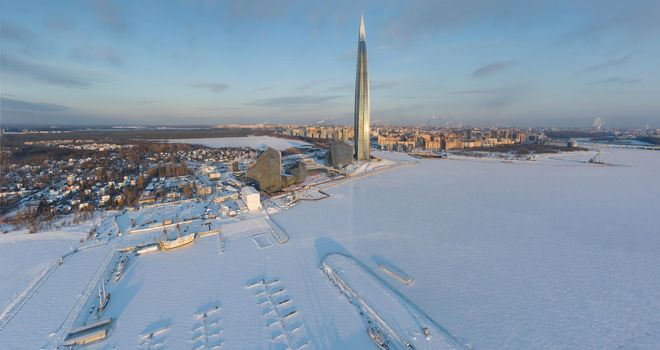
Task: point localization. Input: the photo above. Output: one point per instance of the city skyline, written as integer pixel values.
(506, 63)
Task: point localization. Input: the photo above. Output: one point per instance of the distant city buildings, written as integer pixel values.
(343, 133)
(407, 139)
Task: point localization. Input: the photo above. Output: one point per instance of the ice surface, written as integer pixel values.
(256, 142)
(29, 259)
(522, 255)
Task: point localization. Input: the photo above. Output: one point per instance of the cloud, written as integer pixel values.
(292, 101)
(342, 87)
(607, 64)
(375, 85)
(614, 80)
(258, 9)
(493, 91)
(17, 111)
(21, 39)
(428, 17)
(493, 98)
(610, 20)
(492, 68)
(211, 87)
(310, 84)
(104, 55)
(15, 33)
(265, 88)
(13, 105)
(110, 16)
(44, 73)
(597, 19)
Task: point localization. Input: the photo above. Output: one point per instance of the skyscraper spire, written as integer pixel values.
(362, 132)
(362, 35)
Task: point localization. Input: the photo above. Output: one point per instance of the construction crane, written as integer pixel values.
(593, 159)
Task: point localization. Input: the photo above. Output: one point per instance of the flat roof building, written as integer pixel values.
(251, 198)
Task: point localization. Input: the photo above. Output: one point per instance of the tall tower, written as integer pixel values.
(362, 100)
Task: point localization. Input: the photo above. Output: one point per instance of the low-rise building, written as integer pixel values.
(251, 198)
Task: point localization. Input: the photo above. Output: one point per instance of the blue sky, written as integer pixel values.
(479, 62)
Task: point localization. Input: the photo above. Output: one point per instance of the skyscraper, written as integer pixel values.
(362, 100)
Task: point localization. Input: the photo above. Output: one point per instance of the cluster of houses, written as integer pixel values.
(113, 180)
(66, 185)
(168, 189)
(209, 155)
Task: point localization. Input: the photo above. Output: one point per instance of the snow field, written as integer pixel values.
(255, 142)
(553, 253)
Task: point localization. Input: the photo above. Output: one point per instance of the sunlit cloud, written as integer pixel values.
(211, 87)
(44, 73)
(292, 101)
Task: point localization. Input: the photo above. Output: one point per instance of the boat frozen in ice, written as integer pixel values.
(176, 243)
(121, 267)
(392, 321)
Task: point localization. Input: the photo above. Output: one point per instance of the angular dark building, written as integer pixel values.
(362, 100)
(341, 154)
(267, 170)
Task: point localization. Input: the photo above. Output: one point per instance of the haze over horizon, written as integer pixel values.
(482, 63)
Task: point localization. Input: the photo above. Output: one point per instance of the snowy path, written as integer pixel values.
(11, 310)
(84, 297)
(24, 297)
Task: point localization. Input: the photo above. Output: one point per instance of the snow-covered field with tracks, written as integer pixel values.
(546, 254)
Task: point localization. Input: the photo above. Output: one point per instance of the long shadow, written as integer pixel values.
(125, 290)
(325, 246)
(210, 306)
(157, 325)
(331, 336)
(394, 268)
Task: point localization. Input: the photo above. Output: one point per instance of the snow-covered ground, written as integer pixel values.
(256, 142)
(523, 255)
(25, 258)
(30, 256)
(553, 253)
